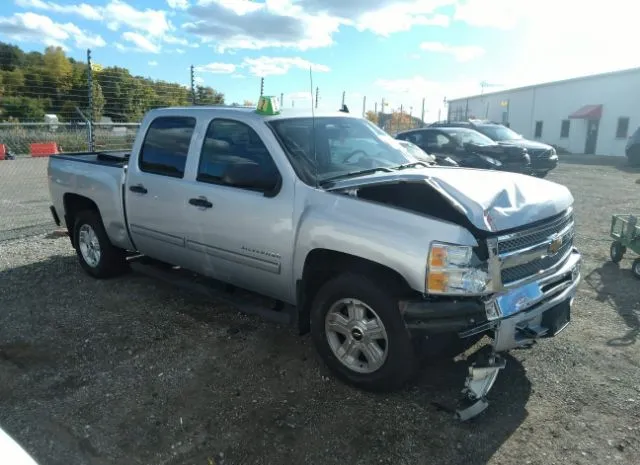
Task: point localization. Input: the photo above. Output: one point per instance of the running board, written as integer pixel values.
(244, 301)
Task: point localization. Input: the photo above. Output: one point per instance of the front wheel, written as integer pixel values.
(98, 257)
(635, 268)
(617, 251)
(358, 331)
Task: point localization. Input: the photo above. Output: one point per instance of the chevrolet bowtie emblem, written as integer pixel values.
(554, 245)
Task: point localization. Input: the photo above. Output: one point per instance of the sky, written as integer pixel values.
(402, 51)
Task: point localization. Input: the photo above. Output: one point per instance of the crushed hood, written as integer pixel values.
(492, 200)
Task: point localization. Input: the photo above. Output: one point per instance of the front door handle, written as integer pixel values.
(201, 202)
(139, 188)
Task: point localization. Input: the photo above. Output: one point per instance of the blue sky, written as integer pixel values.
(399, 50)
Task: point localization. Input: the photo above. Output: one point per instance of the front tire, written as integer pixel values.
(635, 268)
(358, 332)
(97, 256)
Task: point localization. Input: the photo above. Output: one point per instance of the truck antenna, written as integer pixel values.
(313, 129)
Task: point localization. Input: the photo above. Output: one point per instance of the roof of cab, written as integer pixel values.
(250, 112)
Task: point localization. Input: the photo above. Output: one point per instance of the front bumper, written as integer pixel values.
(542, 165)
(542, 317)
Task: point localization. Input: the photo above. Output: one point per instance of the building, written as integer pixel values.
(591, 114)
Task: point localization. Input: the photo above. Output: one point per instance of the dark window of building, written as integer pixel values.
(166, 146)
(538, 131)
(622, 131)
(564, 129)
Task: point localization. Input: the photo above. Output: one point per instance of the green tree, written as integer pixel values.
(24, 108)
(371, 116)
(207, 96)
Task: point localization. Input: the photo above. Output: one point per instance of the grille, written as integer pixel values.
(537, 235)
(543, 153)
(517, 273)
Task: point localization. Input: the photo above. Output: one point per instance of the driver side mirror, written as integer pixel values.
(254, 177)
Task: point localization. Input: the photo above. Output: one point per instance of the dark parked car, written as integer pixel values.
(469, 148)
(421, 155)
(633, 148)
(543, 157)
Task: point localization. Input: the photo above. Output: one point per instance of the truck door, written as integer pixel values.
(154, 194)
(239, 212)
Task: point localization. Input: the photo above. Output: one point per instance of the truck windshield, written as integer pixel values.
(332, 147)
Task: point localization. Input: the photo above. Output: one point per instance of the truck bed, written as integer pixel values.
(113, 159)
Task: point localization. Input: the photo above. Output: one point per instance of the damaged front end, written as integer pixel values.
(534, 273)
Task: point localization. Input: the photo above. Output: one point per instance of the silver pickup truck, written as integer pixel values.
(379, 256)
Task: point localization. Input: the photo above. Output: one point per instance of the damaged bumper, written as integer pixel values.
(538, 309)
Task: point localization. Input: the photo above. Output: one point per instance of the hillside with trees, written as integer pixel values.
(34, 84)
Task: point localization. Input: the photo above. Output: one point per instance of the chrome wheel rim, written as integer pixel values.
(356, 335)
(89, 245)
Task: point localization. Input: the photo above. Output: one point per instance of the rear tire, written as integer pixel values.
(359, 333)
(98, 257)
(617, 251)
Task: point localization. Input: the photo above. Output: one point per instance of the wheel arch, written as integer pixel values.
(73, 204)
(321, 265)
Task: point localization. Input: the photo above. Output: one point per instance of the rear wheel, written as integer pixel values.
(635, 268)
(617, 252)
(358, 331)
(98, 257)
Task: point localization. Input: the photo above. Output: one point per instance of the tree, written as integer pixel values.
(371, 116)
(11, 57)
(205, 95)
(24, 108)
(58, 67)
(248, 103)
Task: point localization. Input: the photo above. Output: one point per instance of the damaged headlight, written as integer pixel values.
(453, 270)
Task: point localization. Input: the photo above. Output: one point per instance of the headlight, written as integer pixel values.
(493, 161)
(451, 271)
(553, 151)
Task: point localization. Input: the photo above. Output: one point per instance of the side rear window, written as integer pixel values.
(166, 146)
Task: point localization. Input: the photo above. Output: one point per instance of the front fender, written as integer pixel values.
(395, 238)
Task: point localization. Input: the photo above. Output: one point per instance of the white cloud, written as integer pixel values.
(179, 51)
(153, 63)
(499, 14)
(462, 53)
(31, 27)
(238, 76)
(178, 4)
(198, 81)
(216, 68)
(266, 66)
(82, 9)
(115, 14)
(142, 44)
(409, 92)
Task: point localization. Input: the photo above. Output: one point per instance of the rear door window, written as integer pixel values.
(166, 146)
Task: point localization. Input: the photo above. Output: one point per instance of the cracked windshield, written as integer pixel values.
(319, 232)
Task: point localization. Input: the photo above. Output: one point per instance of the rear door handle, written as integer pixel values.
(201, 202)
(139, 188)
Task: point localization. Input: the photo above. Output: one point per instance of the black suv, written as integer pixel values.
(633, 148)
(543, 157)
(469, 148)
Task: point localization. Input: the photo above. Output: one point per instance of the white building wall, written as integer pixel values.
(619, 93)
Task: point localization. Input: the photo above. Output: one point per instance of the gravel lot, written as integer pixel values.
(129, 371)
(24, 198)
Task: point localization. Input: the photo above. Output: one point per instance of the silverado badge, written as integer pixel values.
(554, 245)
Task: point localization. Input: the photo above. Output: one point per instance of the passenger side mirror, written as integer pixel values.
(252, 176)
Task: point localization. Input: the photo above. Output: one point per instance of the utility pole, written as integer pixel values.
(90, 139)
(364, 105)
(317, 91)
(282, 99)
(381, 113)
(193, 87)
(343, 95)
(411, 117)
(400, 119)
(261, 86)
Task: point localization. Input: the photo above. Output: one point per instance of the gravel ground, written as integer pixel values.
(130, 371)
(24, 198)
